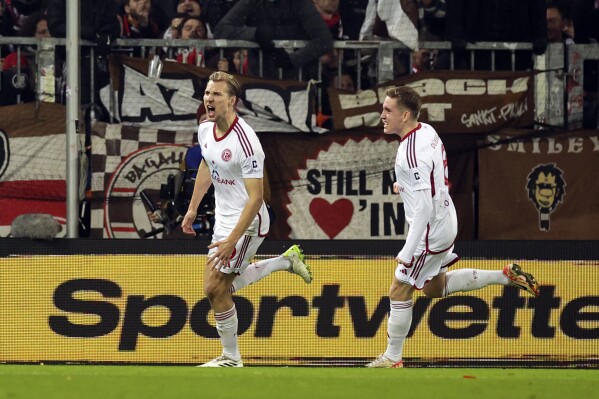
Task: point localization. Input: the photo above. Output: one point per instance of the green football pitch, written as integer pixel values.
(148, 382)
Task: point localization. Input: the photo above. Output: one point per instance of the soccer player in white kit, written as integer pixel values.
(421, 173)
(233, 161)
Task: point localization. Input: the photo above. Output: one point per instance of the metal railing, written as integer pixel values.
(554, 98)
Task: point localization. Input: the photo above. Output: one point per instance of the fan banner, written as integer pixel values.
(172, 101)
(452, 101)
(539, 188)
(32, 162)
(125, 161)
(334, 186)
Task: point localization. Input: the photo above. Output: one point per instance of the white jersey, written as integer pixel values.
(420, 164)
(232, 158)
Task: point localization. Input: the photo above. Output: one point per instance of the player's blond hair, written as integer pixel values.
(233, 85)
(407, 97)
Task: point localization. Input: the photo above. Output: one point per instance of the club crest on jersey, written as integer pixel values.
(226, 155)
(546, 189)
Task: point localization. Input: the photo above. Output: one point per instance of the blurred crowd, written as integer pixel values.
(318, 22)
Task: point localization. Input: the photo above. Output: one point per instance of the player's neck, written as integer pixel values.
(224, 124)
(408, 128)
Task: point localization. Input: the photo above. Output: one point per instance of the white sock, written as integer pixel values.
(257, 271)
(471, 279)
(226, 325)
(398, 326)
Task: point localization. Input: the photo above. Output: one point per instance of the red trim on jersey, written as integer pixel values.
(418, 266)
(227, 132)
(411, 152)
(244, 141)
(433, 182)
(453, 262)
(242, 251)
(411, 131)
(428, 250)
(260, 226)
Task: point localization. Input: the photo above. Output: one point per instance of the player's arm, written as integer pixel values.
(200, 187)
(422, 215)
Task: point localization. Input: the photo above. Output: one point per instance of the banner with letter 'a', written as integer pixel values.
(541, 186)
(171, 102)
(452, 101)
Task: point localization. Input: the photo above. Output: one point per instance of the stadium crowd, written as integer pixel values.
(318, 22)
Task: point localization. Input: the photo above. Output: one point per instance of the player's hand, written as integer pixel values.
(187, 224)
(222, 256)
(403, 262)
(396, 188)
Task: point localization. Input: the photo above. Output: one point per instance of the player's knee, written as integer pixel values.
(433, 292)
(213, 289)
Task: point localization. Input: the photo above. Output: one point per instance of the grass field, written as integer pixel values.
(148, 382)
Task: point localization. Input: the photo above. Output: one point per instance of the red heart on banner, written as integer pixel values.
(332, 218)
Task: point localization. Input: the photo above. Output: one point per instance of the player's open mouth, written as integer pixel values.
(210, 111)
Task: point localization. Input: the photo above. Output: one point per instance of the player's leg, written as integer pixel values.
(398, 325)
(218, 286)
(291, 260)
(464, 280)
(407, 278)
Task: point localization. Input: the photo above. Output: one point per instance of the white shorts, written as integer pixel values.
(244, 251)
(433, 255)
(426, 265)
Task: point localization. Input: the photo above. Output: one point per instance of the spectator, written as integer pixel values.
(172, 32)
(136, 22)
(431, 26)
(192, 28)
(189, 7)
(214, 10)
(35, 25)
(99, 23)
(422, 60)
(557, 22)
(99, 20)
(13, 12)
(235, 62)
(330, 62)
(16, 80)
(343, 82)
(340, 81)
(391, 19)
(352, 14)
(265, 21)
(496, 21)
(329, 11)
